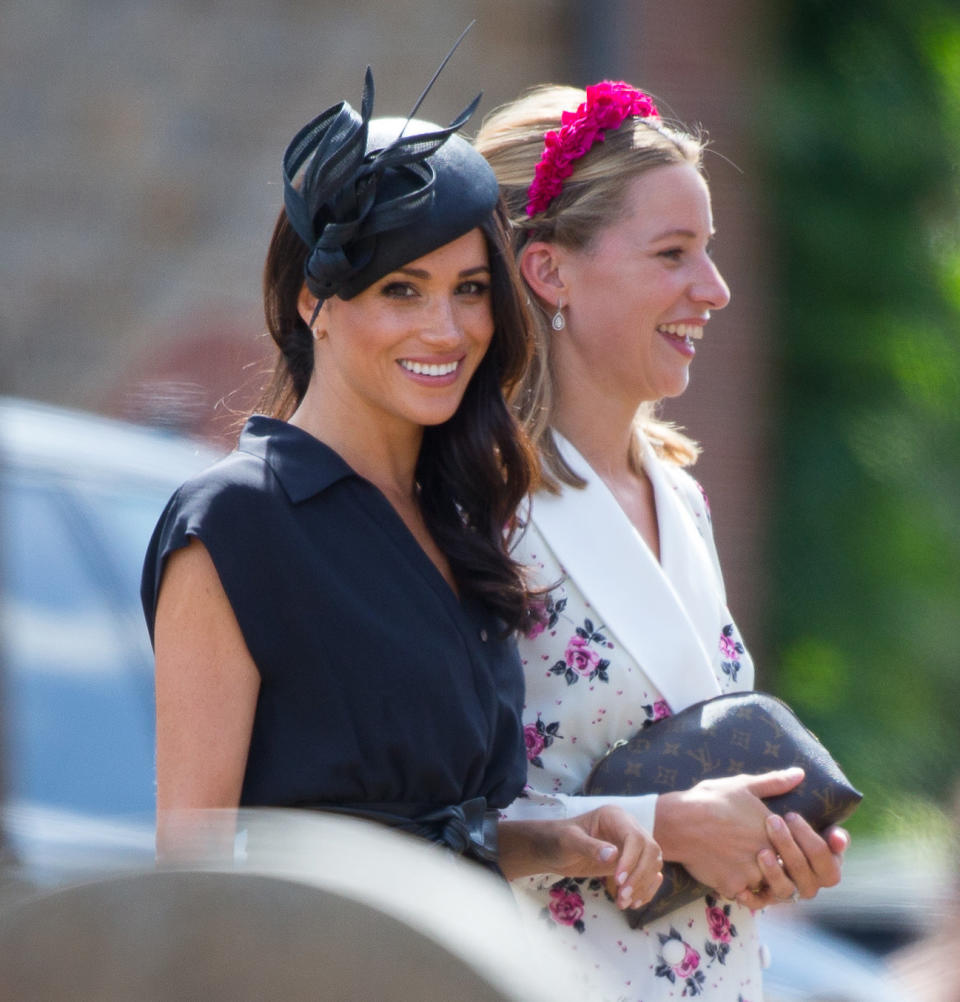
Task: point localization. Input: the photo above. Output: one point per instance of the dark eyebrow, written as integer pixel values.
(420, 273)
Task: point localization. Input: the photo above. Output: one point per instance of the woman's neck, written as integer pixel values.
(379, 451)
(605, 445)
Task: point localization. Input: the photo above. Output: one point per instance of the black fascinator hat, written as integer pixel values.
(373, 195)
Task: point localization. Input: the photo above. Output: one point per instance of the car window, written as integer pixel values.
(124, 520)
(77, 699)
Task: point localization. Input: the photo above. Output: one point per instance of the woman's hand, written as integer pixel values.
(718, 829)
(606, 842)
(799, 863)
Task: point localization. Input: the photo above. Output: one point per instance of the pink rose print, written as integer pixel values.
(580, 658)
(533, 740)
(722, 931)
(689, 964)
(727, 647)
(730, 651)
(544, 614)
(538, 736)
(566, 906)
(536, 628)
(719, 924)
(680, 961)
(660, 710)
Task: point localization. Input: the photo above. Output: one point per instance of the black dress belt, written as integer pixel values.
(468, 829)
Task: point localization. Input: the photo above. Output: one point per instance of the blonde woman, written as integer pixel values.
(612, 225)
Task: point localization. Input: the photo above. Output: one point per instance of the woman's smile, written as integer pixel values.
(431, 371)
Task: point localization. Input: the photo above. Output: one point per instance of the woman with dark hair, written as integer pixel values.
(331, 604)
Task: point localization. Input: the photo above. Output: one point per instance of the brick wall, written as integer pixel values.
(139, 183)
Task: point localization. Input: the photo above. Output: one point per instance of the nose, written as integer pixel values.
(441, 327)
(710, 287)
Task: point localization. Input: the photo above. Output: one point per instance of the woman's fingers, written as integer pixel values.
(772, 784)
(581, 846)
(639, 871)
(791, 859)
(823, 865)
(799, 863)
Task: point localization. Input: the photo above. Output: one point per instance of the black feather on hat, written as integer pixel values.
(372, 198)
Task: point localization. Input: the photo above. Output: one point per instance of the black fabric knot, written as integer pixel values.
(325, 269)
(454, 833)
(468, 829)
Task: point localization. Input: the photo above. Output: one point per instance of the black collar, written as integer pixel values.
(304, 465)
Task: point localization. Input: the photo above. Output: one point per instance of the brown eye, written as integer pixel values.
(398, 290)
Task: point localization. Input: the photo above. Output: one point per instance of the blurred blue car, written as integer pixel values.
(79, 496)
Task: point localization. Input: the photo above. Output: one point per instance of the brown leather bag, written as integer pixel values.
(743, 732)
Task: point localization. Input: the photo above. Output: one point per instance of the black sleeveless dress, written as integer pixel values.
(381, 692)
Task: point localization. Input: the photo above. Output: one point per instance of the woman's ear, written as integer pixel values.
(307, 308)
(540, 267)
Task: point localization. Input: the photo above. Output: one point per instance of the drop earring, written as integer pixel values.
(559, 321)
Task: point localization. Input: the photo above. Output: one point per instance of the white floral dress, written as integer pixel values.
(627, 639)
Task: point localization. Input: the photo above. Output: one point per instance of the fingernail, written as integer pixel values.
(793, 816)
(621, 877)
(774, 823)
(768, 857)
(626, 896)
(607, 853)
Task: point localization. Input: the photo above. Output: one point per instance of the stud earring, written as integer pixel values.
(318, 334)
(559, 321)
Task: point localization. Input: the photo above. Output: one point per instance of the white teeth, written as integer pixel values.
(420, 369)
(682, 330)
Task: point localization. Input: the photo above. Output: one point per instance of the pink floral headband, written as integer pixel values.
(608, 103)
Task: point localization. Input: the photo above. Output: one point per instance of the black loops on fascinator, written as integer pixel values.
(372, 197)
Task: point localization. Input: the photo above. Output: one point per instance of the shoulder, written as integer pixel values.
(237, 481)
(217, 507)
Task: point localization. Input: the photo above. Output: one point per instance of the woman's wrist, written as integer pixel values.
(673, 820)
(527, 847)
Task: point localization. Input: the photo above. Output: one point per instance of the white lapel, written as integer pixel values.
(613, 567)
(684, 555)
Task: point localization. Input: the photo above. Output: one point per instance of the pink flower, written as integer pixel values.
(608, 103)
(566, 907)
(728, 647)
(533, 740)
(660, 710)
(689, 964)
(719, 923)
(580, 658)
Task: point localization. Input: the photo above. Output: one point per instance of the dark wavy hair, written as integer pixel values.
(473, 470)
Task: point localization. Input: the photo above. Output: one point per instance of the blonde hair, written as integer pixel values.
(511, 138)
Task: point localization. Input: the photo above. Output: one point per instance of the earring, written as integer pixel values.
(317, 334)
(559, 321)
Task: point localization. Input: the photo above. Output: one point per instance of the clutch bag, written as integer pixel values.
(742, 732)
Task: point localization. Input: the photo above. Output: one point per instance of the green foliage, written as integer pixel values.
(862, 131)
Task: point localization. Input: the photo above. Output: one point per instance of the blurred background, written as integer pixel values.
(140, 177)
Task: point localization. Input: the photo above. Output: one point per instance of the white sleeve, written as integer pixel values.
(537, 806)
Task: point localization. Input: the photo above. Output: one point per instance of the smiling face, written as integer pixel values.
(638, 295)
(402, 352)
